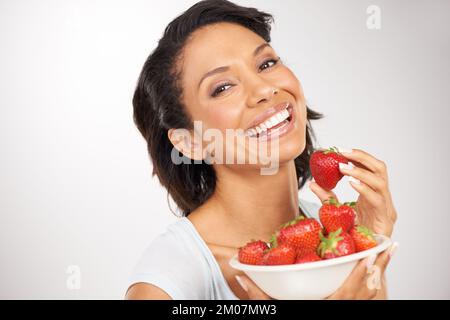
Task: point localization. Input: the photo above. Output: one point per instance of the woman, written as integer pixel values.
(214, 65)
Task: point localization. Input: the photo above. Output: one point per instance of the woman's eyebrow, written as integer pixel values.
(226, 68)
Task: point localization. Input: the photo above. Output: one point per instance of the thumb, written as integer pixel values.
(321, 193)
(253, 291)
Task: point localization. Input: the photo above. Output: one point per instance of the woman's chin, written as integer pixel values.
(288, 150)
(291, 148)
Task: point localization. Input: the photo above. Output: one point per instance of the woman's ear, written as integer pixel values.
(183, 140)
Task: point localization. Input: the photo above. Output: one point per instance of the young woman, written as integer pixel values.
(214, 64)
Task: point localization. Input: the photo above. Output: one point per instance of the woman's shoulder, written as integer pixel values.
(172, 262)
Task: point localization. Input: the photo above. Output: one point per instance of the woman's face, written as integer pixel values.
(240, 94)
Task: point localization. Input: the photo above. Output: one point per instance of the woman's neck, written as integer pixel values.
(250, 206)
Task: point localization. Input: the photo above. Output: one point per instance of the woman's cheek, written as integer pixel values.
(222, 118)
(296, 89)
(289, 82)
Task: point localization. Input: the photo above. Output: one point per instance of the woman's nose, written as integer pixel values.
(261, 92)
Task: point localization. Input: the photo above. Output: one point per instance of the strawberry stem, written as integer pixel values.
(333, 201)
(351, 204)
(292, 222)
(364, 230)
(330, 242)
(331, 150)
(273, 241)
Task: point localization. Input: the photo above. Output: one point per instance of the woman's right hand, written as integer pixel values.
(364, 283)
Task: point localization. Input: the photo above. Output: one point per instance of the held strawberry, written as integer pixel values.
(334, 215)
(280, 255)
(300, 233)
(337, 244)
(324, 165)
(309, 257)
(363, 238)
(252, 252)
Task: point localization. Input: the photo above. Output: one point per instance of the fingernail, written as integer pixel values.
(354, 180)
(344, 150)
(393, 249)
(370, 262)
(345, 166)
(241, 283)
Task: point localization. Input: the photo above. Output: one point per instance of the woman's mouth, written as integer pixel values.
(275, 125)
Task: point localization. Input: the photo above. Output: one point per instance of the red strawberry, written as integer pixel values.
(335, 215)
(324, 165)
(300, 233)
(252, 252)
(282, 254)
(309, 257)
(363, 238)
(337, 244)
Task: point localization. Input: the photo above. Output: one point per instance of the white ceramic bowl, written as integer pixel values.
(313, 280)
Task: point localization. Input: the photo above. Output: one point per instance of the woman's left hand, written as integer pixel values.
(369, 178)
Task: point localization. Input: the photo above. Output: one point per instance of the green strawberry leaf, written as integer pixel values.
(273, 241)
(351, 204)
(365, 231)
(292, 222)
(332, 201)
(331, 150)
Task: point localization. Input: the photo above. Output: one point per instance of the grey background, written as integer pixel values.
(75, 185)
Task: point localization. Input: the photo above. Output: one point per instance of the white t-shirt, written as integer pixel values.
(179, 262)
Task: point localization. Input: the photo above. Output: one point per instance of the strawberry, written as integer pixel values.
(282, 254)
(324, 165)
(309, 257)
(300, 233)
(337, 244)
(363, 238)
(252, 252)
(334, 215)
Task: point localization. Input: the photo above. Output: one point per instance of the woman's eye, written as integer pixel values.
(267, 63)
(220, 89)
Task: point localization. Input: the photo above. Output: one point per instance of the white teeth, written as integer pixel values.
(269, 123)
(280, 117)
(251, 132)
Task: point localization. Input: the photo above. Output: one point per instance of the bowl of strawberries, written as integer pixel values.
(308, 258)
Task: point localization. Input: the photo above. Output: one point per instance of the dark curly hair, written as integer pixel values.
(158, 105)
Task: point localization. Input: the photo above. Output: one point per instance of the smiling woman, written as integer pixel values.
(177, 86)
(214, 65)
